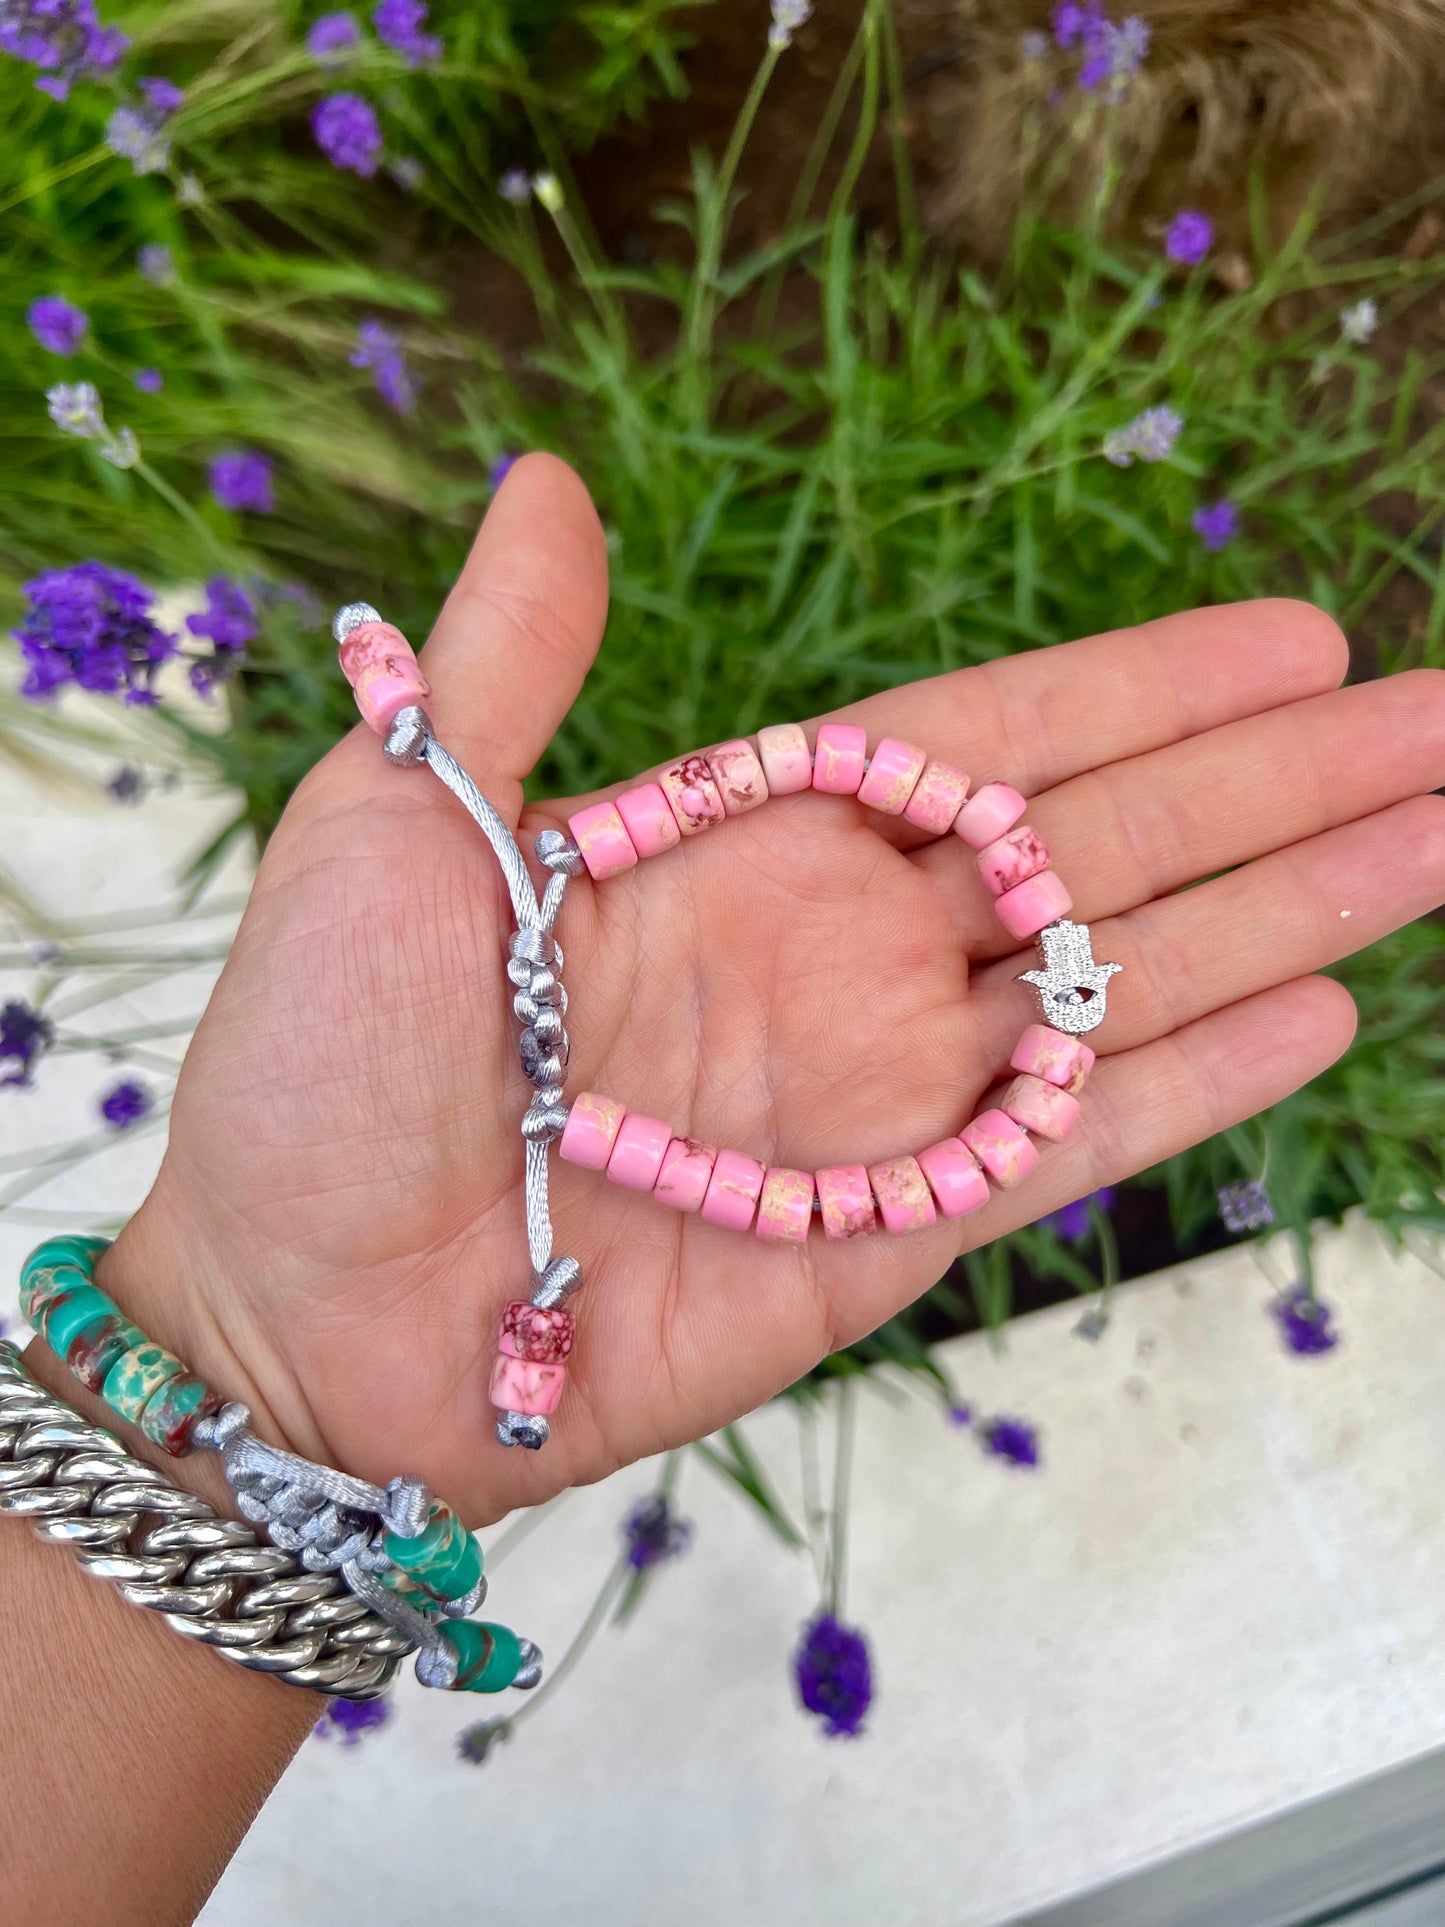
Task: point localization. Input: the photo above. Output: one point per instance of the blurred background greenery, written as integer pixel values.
(834, 448)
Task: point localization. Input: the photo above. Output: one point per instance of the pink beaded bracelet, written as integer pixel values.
(642, 1153)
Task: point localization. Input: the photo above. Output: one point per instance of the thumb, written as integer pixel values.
(520, 629)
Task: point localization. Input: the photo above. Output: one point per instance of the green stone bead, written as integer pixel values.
(70, 1314)
(100, 1346)
(488, 1657)
(134, 1380)
(69, 1248)
(459, 1575)
(42, 1286)
(435, 1546)
(170, 1417)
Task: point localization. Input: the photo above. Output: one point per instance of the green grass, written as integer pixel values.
(905, 477)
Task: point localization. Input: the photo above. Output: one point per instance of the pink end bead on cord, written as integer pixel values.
(542, 1337)
(693, 794)
(936, 801)
(988, 814)
(893, 772)
(601, 835)
(684, 1174)
(733, 1191)
(786, 759)
(590, 1132)
(846, 1198)
(1024, 910)
(648, 819)
(1001, 1147)
(519, 1385)
(1040, 1107)
(385, 676)
(785, 1209)
(638, 1151)
(739, 776)
(905, 1202)
(1012, 859)
(955, 1177)
(838, 758)
(1053, 1055)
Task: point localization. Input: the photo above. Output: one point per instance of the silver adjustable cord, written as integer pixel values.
(534, 968)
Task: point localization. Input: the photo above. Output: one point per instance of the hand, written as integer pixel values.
(338, 1221)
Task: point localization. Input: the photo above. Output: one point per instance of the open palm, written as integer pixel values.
(338, 1221)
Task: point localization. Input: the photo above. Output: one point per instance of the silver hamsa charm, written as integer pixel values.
(1072, 988)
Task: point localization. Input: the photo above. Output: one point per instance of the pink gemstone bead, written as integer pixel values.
(847, 1200)
(637, 1154)
(648, 819)
(1024, 910)
(954, 1177)
(893, 770)
(1053, 1055)
(786, 759)
(520, 1385)
(541, 1337)
(988, 814)
(937, 799)
(1041, 1108)
(591, 1130)
(905, 1202)
(385, 676)
(838, 758)
(733, 1191)
(1001, 1148)
(695, 798)
(601, 835)
(1012, 859)
(739, 776)
(685, 1174)
(785, 1209)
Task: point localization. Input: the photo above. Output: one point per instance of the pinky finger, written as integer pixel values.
(1144, 1105)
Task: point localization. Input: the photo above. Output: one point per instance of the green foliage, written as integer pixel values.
(903, 476)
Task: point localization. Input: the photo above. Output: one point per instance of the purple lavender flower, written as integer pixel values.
(1073, 22)
(1304, 1322)
(1150, 437)
(1216, 524)
(332, 38)
(57, 324)
(515, 186)
(1112, 55)
(1245, 1205)
(501, 469)
(349, 1719)
(475, 1742)
(834, 1674)
(241, 480)
(25, 1036)
(399, 24)
(1073, 1222)
(229, 620)
(162, 97)
(91, 625)
(130, 137)
(150, 381)
(788, 16)
(74, 407)
(128, 785)
(1011, 1439)
(654, 1532)
(156, 264)
(348, 133)
(127, 1104)
(960, 1413)
(61, 37)
(1189, 237)
(378, 349)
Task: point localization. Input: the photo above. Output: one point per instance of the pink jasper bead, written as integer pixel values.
(893, 770)
(785, 1209)
(1041, 1108)
(542, 1337)
(685, 1174)
(1053, 1055)
(937, 799)
(733, 1191)
(601, 835)
(649, 820)
(838, 759)
(695, 798)
(385, 676)
(1001, 1148)
(739, 776)
(847, 1200)
(638, 1152)
(520, 1385)
(954, 1177)
(1024, 910)
(905, 1202)
(1012, 860)
(591, 1130)
(786, 759)
(988, 814)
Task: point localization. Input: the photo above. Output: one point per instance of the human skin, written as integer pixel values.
(337, 1224)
